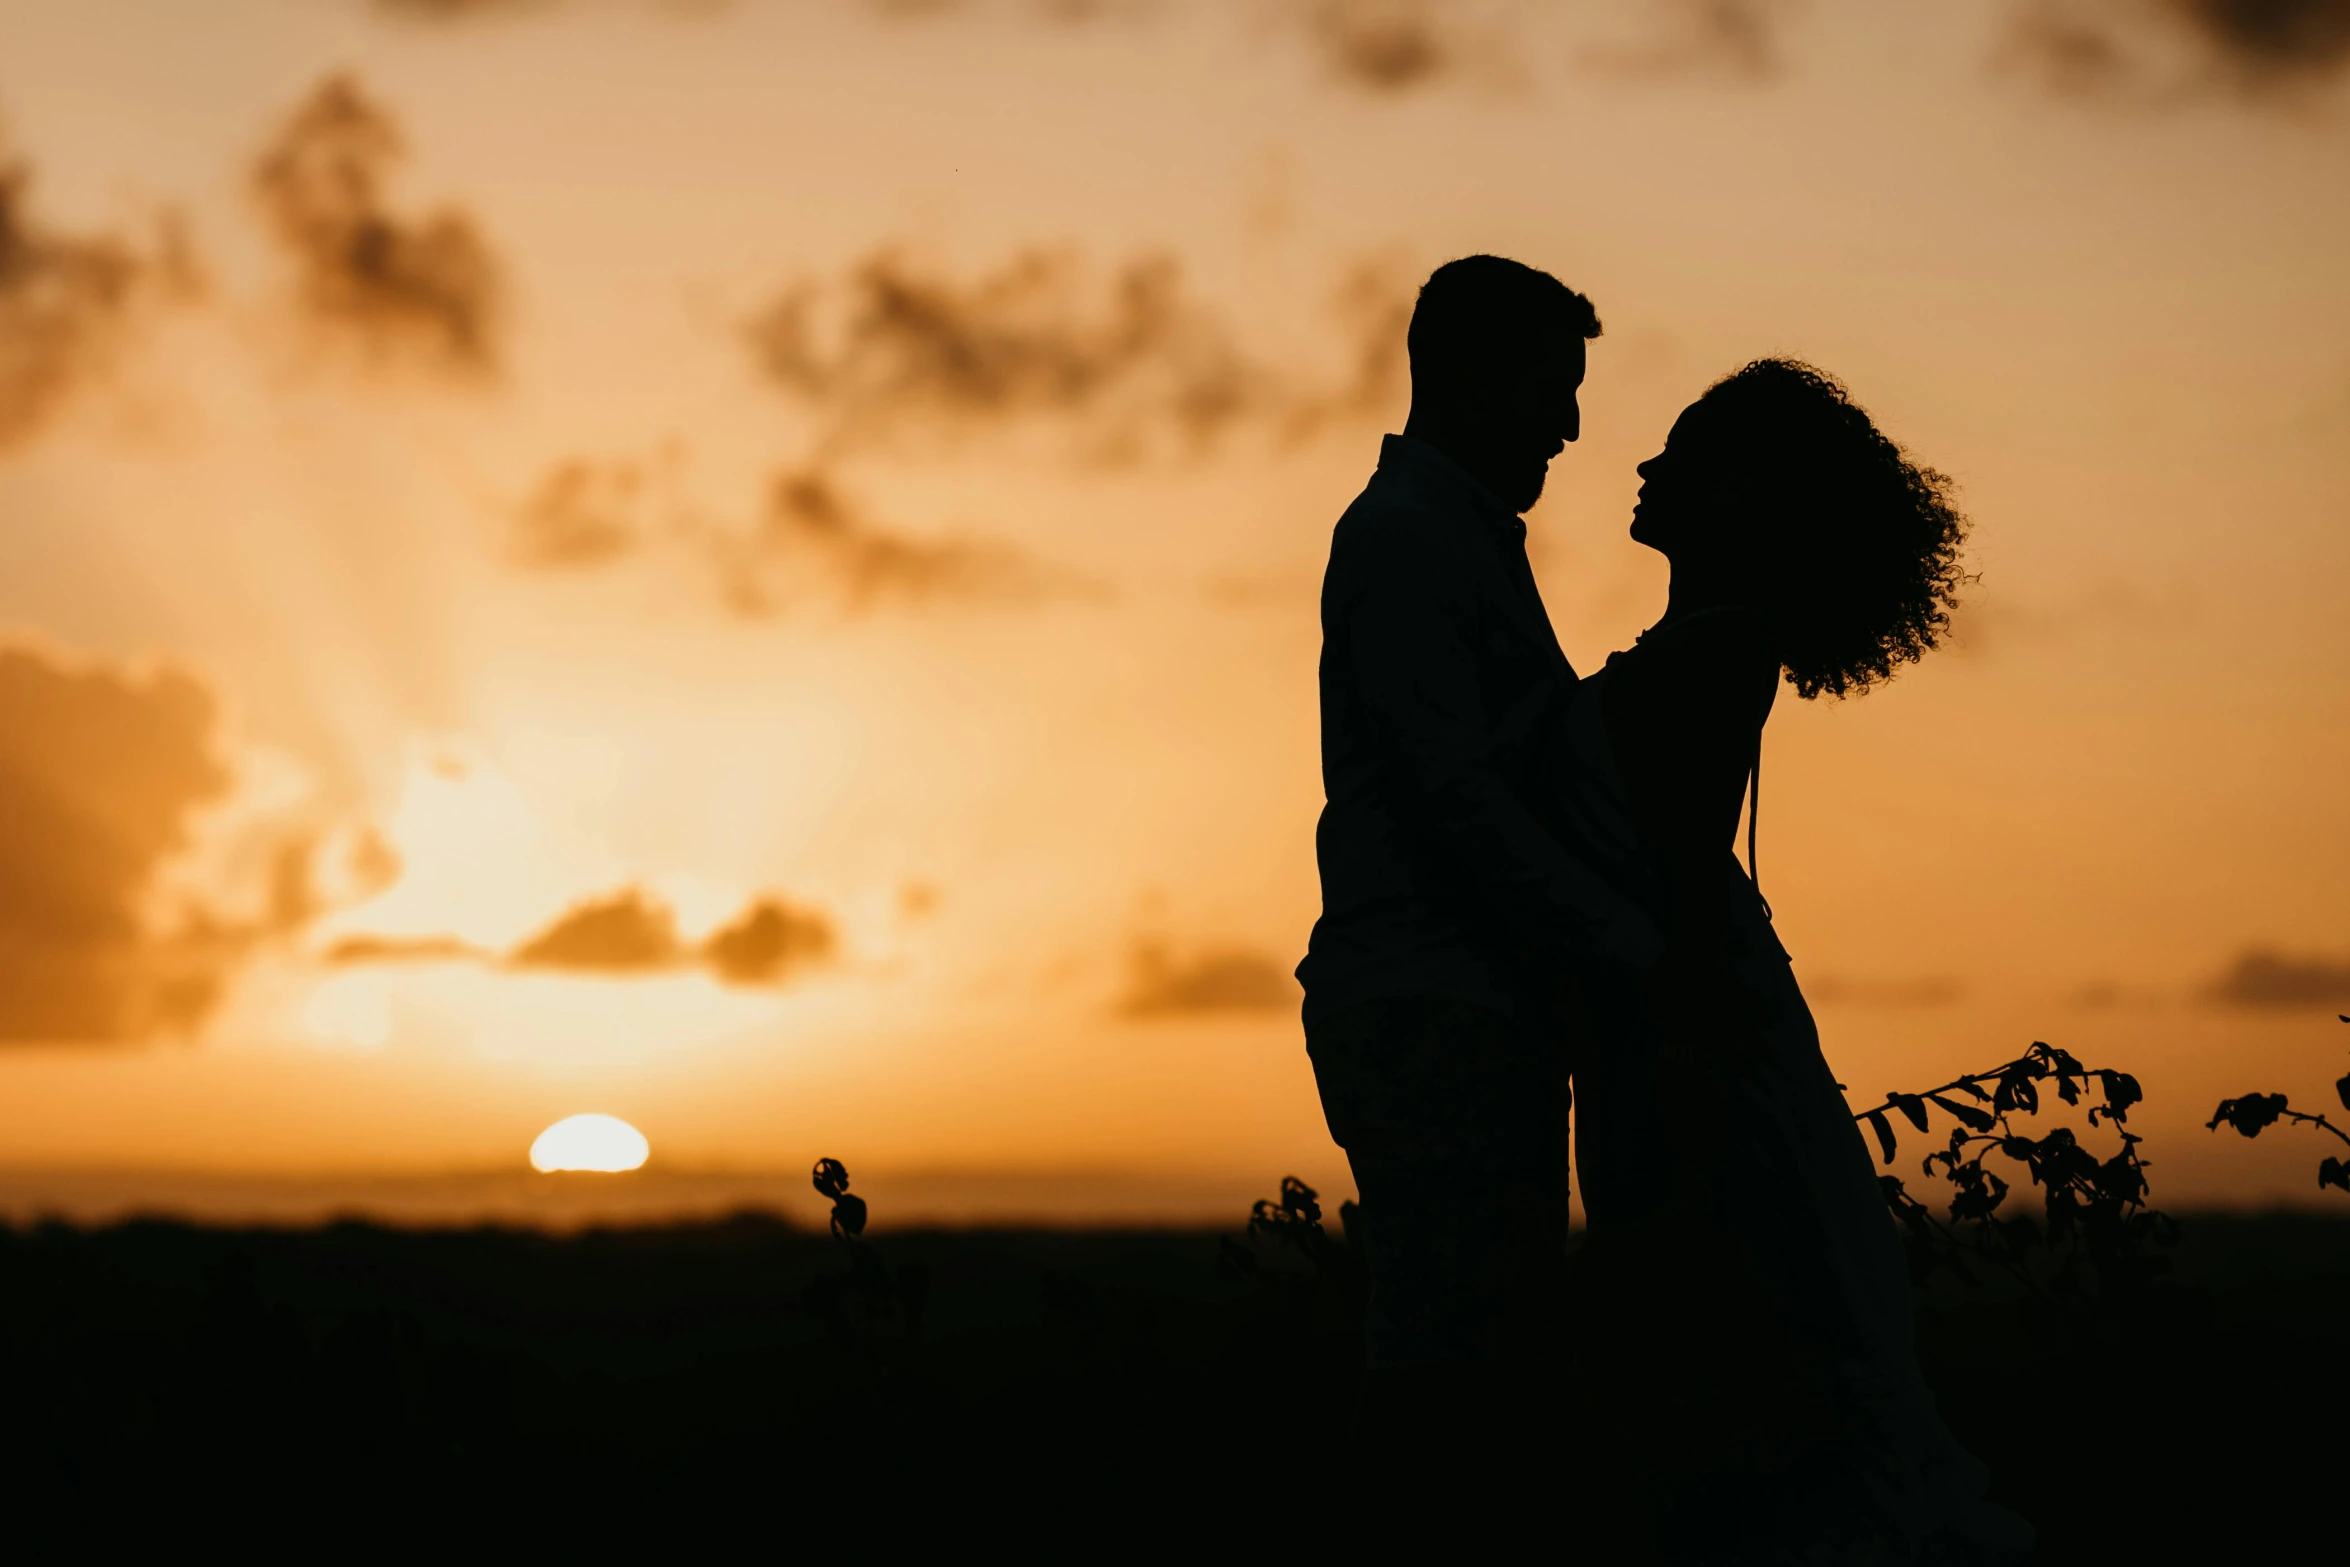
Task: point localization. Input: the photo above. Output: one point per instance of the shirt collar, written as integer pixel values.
(1407, 456)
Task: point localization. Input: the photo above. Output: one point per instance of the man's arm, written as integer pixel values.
(1409, 647)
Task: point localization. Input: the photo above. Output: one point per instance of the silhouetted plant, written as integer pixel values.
(855, 1303)
(2094, 1215)
(1293, 1221)
(2253, 1112)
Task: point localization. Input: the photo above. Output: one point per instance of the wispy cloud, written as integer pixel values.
(624, 933)
(1382, 45)
(421, 290)
(814, 542)
(456, 12)
(896, 361)
(629, 933)
(894, 348)
(583, 512)
(768, 942)
(1734, 39)
(2166, 51)
(357, 951)
(1126, 364)
(1218, 979)
(67, 301)
(101, 774)
(810, 544)
(2266, 978)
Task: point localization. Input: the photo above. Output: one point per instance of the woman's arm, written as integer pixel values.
(1684, 712)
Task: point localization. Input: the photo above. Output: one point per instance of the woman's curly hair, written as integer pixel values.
(1860, 546)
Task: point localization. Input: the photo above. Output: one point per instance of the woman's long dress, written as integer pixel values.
(1779, 1176)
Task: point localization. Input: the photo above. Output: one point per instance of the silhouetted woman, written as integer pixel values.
(1719, 1160)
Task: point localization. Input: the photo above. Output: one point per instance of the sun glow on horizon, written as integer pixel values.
(602, 1143)
(475, 858)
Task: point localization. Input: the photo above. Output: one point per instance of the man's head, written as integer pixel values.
(1497, 358)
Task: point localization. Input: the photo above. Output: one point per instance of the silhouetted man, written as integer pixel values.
(1434, 1010)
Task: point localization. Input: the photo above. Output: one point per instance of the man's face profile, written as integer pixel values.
(1538, 413)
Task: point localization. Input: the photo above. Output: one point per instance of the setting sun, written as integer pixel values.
(589, 1142)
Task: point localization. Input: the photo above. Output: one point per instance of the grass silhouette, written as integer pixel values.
(1029, 1384)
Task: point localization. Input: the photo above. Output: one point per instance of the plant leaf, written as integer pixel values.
(2121, 1092)
(1884, 1131)
(2248, 1114)
(1974, 1119)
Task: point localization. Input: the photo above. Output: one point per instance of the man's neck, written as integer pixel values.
(1465, 452)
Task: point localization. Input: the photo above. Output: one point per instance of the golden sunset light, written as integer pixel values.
(1615, 727)
(762, 558)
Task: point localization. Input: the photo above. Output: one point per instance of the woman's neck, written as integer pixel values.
(1695, 591)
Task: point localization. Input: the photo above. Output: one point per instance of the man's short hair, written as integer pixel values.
(1484, 317)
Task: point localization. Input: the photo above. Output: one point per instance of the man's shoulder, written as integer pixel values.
(1390, 518)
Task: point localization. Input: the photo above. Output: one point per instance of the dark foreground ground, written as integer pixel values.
(168, 1375)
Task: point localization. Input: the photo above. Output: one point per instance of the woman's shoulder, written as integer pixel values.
(1730, 635)
(1718, 661)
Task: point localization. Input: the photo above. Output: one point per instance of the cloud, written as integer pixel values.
(1127, 365)
(813, 538)
(1223, 979)
(423, 291)
(1066, 13)
(1918, 993)
(624, 933)
(2265, 978)
(101, 773)
(1386, 47)
(910, 349)
(583, 513)
(630, 934)
(768, 942)
(448, 12)
(1737, 39)
(810, 541)
(356, 951)
(2162, 51)
(456, 10)
(1382, 45)
(67, 302)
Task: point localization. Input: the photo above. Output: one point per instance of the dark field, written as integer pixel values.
(390, 1377)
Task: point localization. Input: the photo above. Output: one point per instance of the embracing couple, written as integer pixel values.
(1532, 903)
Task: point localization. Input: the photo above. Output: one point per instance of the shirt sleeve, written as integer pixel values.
(1410, 644)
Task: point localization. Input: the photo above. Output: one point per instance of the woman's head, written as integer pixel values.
(1774, 490)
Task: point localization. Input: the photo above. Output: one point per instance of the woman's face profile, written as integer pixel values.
(1675, 494)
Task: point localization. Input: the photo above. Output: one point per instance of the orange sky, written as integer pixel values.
(510, 607)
